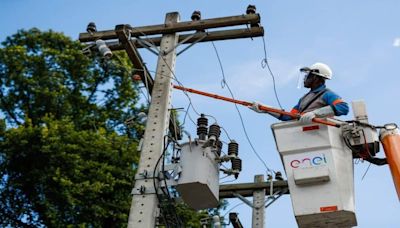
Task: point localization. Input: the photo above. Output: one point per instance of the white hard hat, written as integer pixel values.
(319, 69)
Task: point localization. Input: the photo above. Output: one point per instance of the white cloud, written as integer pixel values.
(396, 42)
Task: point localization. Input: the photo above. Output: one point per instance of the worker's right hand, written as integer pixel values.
(255, 107)
(307, 117)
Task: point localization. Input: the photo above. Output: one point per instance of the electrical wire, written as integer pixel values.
(265, 63)
(366, 171)
(229, 181)
(237, 205)
(165, 148)
(237, 109)
(170, 69)
(156, 189)
(223, 177)
(186, 113)
(175, 78)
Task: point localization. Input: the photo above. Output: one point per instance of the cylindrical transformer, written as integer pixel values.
(198, 184)
(390, 138)
(233, 148)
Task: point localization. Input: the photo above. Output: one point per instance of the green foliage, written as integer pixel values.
(192, 218)
(44, 73)
(57, 175)
(65, 155)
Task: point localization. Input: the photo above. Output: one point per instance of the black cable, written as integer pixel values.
(165, 147)
(187, 95)
(366, 171)
(237, 109)
(264, 63)
(156, 191)
(178, 221)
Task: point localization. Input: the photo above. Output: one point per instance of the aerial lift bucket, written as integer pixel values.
(319, 170)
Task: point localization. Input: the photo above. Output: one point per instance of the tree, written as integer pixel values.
(65, 154)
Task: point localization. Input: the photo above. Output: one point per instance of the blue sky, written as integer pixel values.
(356, 38)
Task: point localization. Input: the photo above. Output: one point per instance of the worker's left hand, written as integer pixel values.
(307, 118)
(255, 107)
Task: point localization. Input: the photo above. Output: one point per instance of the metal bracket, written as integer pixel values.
(148, 46)
(184, 41)
(142, 191)
(190, 45)
(244, 200)
(279, 193)
(87, 50)
(176, 168)
(143, 175)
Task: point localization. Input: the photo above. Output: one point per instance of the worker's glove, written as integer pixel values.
(319, 113)
(307, 117)
(255, 107)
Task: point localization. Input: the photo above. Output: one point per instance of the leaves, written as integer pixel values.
(65, 153)
(66, 156)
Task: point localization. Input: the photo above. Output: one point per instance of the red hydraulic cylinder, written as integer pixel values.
(390, 139)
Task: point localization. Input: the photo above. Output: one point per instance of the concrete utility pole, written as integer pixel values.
(258, 204)
(144, 208)
(258, 190)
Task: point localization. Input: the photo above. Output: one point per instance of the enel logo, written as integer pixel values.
(308, 162)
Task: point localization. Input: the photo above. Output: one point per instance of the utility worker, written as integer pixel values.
(319, 102)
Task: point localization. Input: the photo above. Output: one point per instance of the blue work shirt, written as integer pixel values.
(339, 106)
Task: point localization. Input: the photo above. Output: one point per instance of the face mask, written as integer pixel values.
(301, 79)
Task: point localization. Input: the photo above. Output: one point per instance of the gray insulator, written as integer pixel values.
(202, 127)
(233, 148)
(196, 15)
(91, 28)
(202, 120)
(251, 9)
(214, 130)
(237, 164)
(103, 48)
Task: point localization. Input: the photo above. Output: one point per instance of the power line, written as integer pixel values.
(237, 109)
(265, 63)
(237, 205)
(169, 67)
(175, 78)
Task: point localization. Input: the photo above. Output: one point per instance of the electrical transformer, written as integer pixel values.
(198, 184)
(200, 163)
